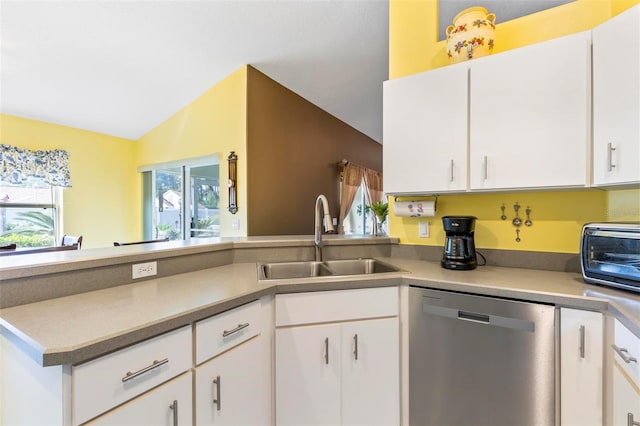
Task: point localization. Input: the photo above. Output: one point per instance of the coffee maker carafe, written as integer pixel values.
(459, 246)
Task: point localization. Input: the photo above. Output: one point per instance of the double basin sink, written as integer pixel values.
(329, 268)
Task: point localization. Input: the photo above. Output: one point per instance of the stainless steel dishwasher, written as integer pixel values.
(480, 361)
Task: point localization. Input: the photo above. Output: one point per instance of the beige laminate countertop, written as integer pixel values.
(74, 329)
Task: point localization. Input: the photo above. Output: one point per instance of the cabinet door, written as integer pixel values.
(371, 373)
(616, 99)
(530, 116)
(425, 132)
(626, 398)
(581, 367)
(169, 404)
(308, 375)
(233, 389)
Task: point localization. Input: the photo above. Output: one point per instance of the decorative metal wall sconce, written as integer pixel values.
(232, 182)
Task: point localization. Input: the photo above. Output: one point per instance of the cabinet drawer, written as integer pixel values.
(628, 348)
(340, 305)
(166, 405)
(110, 380)
(224, 331)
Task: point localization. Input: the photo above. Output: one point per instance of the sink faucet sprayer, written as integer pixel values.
(321, 202)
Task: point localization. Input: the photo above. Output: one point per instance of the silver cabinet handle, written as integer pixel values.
(623, 352)
(582, 341)
(326, 350)
(226, 333)
(610, 149)
(174, 407)
(155, 364)
(355, 350)
(485, 167)
(217, 400)
(630, 421)
(451, 170)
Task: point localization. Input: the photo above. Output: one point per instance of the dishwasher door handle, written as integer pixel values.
(474, 317)
(480, 318)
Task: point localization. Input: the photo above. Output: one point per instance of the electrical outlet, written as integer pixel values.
(423, 229)
(148, 269)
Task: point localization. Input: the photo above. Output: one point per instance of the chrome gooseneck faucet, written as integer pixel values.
(322, 204)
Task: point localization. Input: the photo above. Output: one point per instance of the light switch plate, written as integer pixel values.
(423, 229)
(147, 269)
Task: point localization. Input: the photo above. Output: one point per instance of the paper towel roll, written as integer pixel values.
(414, 208)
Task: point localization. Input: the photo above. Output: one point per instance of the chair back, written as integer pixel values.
(70, 240)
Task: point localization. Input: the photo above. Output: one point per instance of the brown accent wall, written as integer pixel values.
(293, 147)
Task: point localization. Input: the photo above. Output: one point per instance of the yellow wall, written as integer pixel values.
(99, 206)
(213, 123)
(558, 216)
(623, 205)
(413, 30)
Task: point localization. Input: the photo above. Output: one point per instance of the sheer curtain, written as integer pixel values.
(373, 185)
(352, 176)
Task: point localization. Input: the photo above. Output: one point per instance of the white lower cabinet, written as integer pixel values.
(167, 405)
(626, 400)
(107, 381)
(308, 375)
(581, 367)
(344, 372)
(625, 377)
(233, 389)
(370, 372)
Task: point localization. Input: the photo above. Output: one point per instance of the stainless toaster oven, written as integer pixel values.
(610, 254)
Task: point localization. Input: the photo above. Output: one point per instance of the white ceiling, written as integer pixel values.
(123, 67)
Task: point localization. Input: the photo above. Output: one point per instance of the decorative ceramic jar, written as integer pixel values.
(471, 35)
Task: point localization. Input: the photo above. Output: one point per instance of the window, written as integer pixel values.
(29, 213)
(184, 189)
(359, 220)
(30, 195)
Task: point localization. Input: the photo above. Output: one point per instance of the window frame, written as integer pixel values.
(149, 183)
(56, 205)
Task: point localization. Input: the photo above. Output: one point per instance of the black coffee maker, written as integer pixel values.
(459, 246)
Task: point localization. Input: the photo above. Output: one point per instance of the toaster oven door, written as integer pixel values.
(612, 257)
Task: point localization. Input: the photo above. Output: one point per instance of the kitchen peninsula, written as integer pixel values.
(62, 311)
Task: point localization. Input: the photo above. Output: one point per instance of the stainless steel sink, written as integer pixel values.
(309, 269)
(358, 267)
(278, 271)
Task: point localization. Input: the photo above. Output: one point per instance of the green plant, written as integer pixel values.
(26, 240)
(205, 223)
(367, 209)
(380, 209)
(30, 229)
(33, 223)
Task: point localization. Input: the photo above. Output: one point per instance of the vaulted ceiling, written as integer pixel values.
(123, 67)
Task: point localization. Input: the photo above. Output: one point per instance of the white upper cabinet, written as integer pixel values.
(616, 100)
(520, 119)
(425, 132)
(530, 116)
